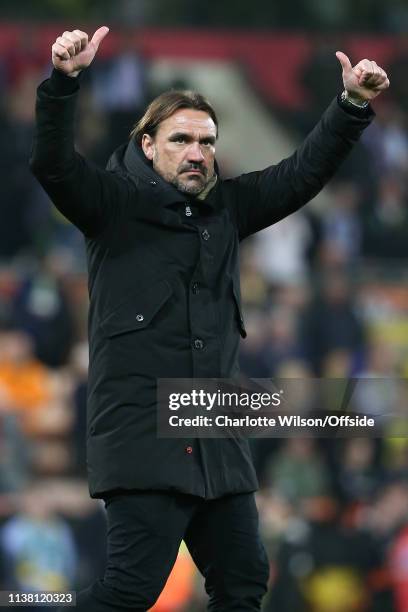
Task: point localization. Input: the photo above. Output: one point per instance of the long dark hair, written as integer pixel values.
(164, 106)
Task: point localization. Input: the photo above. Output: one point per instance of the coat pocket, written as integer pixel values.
(138, 311)
(240, 318)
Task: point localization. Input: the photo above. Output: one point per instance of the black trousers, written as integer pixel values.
(145, 530)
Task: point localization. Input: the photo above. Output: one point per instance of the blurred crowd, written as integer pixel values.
(299, 15)
(325, 295)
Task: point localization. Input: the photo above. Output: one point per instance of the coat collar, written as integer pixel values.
(129, 158)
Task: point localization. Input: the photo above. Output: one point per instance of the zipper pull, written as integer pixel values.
(188, 211)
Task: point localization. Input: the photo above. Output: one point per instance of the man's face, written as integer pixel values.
(183, 150)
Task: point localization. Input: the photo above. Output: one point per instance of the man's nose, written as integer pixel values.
(194, 153)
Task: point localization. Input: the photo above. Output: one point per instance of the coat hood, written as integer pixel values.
(129, 160)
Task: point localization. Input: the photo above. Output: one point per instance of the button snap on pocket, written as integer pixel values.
(138, 310)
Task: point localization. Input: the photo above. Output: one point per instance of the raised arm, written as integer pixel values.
(267, 196)
(87, 195)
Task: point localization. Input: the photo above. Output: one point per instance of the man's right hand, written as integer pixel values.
(72, 51)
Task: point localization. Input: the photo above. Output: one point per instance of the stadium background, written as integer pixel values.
(325, 291)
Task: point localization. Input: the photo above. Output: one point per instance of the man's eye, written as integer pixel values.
(180, 140)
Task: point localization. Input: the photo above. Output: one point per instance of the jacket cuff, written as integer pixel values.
(355, 110)
(59, 84)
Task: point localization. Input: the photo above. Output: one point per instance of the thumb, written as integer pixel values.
(344, 61)
(99, 35)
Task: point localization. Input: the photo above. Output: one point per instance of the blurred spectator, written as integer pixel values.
(319, 565)
(387, 521)
(341, 227)
(319, 78)
(119, 87)
(254, 288)
(42, 310)
(377, 390)
(22, 200)
(9, 284)
(399, 64)
(37, 545)
(14, 454)
(386, 228)
(87, 521)
(331, 322)
(359, 474)
(280, 250)
(298, 471)
(24, 381)
(30, 390)
(394, 139)
(281, 335)
(254, 361)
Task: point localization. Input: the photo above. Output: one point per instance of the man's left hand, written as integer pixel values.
(365, 80)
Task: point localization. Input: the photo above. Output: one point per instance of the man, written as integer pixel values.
(162, 233)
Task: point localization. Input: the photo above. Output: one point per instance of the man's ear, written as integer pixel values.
(148, 146)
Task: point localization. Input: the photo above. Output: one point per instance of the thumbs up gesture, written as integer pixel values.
(72, 51)
(365, 80)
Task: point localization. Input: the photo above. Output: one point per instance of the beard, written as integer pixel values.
(192, 185)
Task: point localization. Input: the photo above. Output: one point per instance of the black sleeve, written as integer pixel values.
(262, 198)
(85, 194)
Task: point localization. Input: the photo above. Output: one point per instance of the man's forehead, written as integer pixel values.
(189, 119)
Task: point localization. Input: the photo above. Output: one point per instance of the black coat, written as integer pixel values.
(164, 287)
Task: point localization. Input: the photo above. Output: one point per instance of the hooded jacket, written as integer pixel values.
(164, 287)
